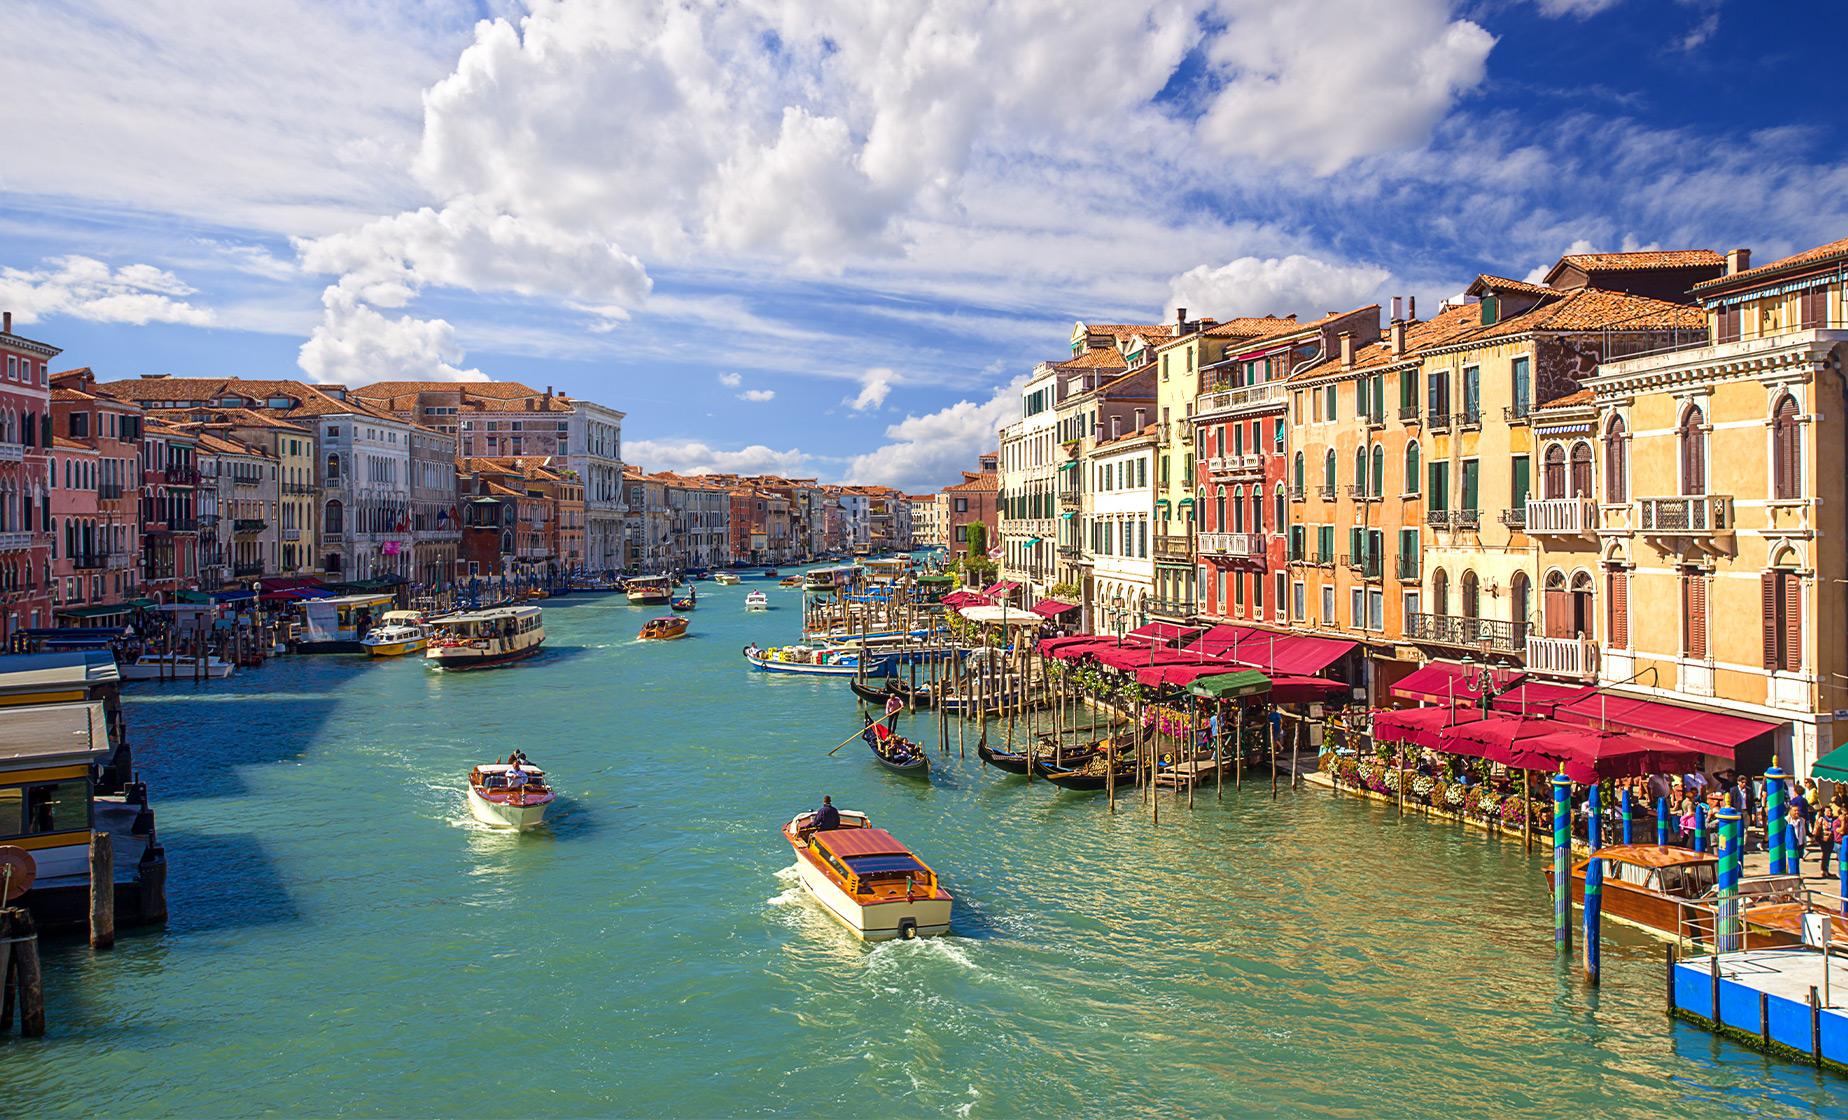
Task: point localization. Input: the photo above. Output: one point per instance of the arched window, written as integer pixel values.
(333, 468)
(1616, 476)
(1238, 509)
(1520, 596)
(1786, 451)
(1553, 472)
(1580, 477)
(1257, 509)
(1297, 479)
(1328, 471)
(1582, 606)
(1414, 473)
(1219, 511)
(1282, 518)
(1360, 470)
(1440, 592)
(1556, 617)
(1472, 596)
(334, 520)
(1693, 451)
(1379, 471)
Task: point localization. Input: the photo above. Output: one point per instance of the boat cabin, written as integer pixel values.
(48, 755)
(493, 623)
(1672, 871)
(29, 680)
(341, 621)
(871, 864)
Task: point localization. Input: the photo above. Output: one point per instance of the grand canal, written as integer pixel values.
(345, 942)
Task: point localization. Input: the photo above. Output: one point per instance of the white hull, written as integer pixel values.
(183, 668)
(520, 818)
(880, 921)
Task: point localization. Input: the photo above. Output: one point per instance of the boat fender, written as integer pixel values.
(908, 929)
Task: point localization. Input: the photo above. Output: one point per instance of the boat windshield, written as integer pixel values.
(885, 867)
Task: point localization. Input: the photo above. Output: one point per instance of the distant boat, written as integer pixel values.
(175, 666)
(663, 629)
(757, 601)
(728, 579)
(649, 590)
(868, 880)
(814, 662)
(400, 632)
(483, 639)
(516, 802)
(897, 753)
(686, 602)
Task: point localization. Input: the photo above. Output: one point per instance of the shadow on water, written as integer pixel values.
(218, 750)
(223, 881)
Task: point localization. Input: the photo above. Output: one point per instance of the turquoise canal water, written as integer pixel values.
(345, 942)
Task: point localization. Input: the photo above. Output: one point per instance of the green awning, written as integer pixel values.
(1160, 502)
(1030, 542)
(936, 577)
(1067, 515)
(1187, 501)
(193, 597)
(1832, 767)
(94, 611)
(1070, 465)
(141, 602)
(1231, 686)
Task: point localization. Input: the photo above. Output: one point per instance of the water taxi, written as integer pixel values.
(824, 580)
(757, 601)
(727, 579)
(503, 798)
(649, 590)
(868, 880)
(815, 662)
(791, 582)
(770, 573)
(400, 633)
(481, 639)
(663, 629)
(1673, 892)
(175, 666)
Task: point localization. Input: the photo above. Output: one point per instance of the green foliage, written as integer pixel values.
(1065, 591)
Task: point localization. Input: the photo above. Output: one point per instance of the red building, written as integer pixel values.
(970, 501)
(25, 499)
(96, 499)
(1242, 492)
(169, 510)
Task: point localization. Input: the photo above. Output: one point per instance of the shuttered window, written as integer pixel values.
(1616, 475)
(1786, 451)
(1728, 320)
(1619, 600)
(1693, 453)
(1782, 604)
(1694, 615)
(1813, 307)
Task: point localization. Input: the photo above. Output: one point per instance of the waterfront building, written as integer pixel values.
(1184, 365)
(76, 528)
(926, 529)
(1241, 453)
(100, 558)
(238, 496)
(970, 502)
(291, 449)
(1719, 507)
(25, 457)
(857, 514)
(699, 513)
(169, 510)
(436, 528)
(1030, 459)
(1122, 482)
(1097, 398)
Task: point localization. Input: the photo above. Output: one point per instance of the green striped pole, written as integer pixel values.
(1700, 826)
(1774, 819)
(1594, 883)
(1562, 863)
(1726, 917)
(1629, 816)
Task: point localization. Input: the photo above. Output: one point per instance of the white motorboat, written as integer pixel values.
(175, 666)
(757, 601)
(728, 579)
(868, 880)
(481, 639)
(400, 633)
(506, 796)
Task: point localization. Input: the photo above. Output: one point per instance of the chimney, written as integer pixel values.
(1737, 260)
(6, 322)
(1347, 350)
(1398, 338)
(1398, 308)
(1116, 426)
(1411, 308)
(1140, 422)
(1180, 317)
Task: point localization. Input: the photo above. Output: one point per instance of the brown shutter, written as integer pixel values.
(1558, 614)
(1793, 621)
(1767, 591)
(1620, 610)
(1697, 615)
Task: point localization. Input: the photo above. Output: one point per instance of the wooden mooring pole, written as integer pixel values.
(25, 986)
(102, 890)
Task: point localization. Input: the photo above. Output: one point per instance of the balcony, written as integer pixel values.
(1492, 635)
(1171, 608)
(1438, 419)
(89, 561)
(182, 476)
(1326, 492)
(248, 525)
(291, 534)
(245, 571)
(1469, 418)
(1246, 465)
(12, 452)
(298, 488)
(1565, 517)
(1320, 559)
(1070, 552)
(1562, 657)
(1466, 520)
(1407, 567)
(1373, 422)
(15, 541)
(1296, 493)
(1517, 413)
(1408, 413)
(1244, 546)
(1219, 464)
(1360, 493)
(1174, 548)
(109, 491)
(1069, 500)
(1242, 399)
(1692, 516)
(1365, 563)
(1515, 517)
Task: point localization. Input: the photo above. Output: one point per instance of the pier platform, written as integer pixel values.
(1776, 1000)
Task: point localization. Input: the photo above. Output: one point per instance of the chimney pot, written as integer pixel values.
(1398, 338)
(1738, 260)
(1398, 308)
(1411, 308)
(1180, 315)
(1347, 350)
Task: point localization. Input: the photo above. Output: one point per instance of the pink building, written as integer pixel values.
(95, 499)
(25, 504)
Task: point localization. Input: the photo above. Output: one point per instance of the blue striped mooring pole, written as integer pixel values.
(1774, 819)
(1594, 882)
(1700, 826)
(1662, 821)
(1629, 817)
(1562, 863)
(1726, 916)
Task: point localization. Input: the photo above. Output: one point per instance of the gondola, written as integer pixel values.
(918, 697)
(898, 754)
(1013, 762)
(685, 602)
(1086, 771)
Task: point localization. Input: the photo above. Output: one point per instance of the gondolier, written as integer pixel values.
(894, 705)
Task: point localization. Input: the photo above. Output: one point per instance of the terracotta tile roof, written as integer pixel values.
(506, 389)
(310, 400)
(1098, 357)
(1581, 397)
(59, 443)
(1124, 330)
(245, 418)
(59, 393)
(1817, 255)
(1448, 327)
(987, 480)
(1653, 258)
(1492, 283)
(1251, 326)
(1594, 309)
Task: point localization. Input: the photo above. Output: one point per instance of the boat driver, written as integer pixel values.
(516, 777)
(827, 817)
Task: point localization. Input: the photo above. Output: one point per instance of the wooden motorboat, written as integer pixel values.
(400, 632)
(757, 601)
(790, 581)
(895, 752)
(868, 880)
(1673, 892)
(487, 638)
(648, 590)
(663, 629)
(814, 661)
(770, 573)
(685, 602)
(727, 579)
(175, 666)
(507, 795)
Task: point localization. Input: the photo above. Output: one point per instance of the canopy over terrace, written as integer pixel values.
(999, 616)
(1160, 634)
(1442, 682)
(1832, 767)
(1052, 608)
(1528, 743)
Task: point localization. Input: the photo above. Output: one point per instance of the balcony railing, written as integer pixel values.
(1407, 566)
(1219, 464)
(1438, 419)
(1366, 563)
(1296, 493)
(1237, 400)
(298, 488)
(1408, 413)
(1469, 418)
(1326, 492)
(291, 534)
(246, 570)
(1515, 517)
(1173, 548)
(1517, 413)
(1373, 421)
(1689, 516)
(1322, 559)
(12, 452)
(1172, 608)
(1562, 657)
(88, 561)
(1069, 500)
(248, 525)
(1360, 493)
(1492, 634)
(1570, 517)
(1070, 552)
(182, 476)
(1243, 545)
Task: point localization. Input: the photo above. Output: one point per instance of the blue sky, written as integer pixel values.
(826, 238)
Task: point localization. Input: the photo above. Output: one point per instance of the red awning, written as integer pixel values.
(1222, 640)
(1001, 588)
(1304, 690)
(1711, 732)
(1538, 698)
(1176, 673)
(1291, 654)
(1423, 727)
(1159, 634)
(1052, 608)
(1441, 682)
(1049, 646)
(963, 599)
(1090, 646)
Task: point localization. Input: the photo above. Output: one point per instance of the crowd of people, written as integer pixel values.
(1816, 825)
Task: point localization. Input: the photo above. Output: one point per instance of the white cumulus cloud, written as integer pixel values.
(355, 345)
(875, 386)
(757, 395)
(731, 380)
(1275, 286)
(928, 452)
(699, 457)
(86, 288)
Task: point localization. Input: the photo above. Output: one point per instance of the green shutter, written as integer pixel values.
(1471, 475)
(1520, 482)
(1438, 493)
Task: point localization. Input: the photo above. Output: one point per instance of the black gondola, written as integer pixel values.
(1011, 761)
(902, 756)
(888, 688)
